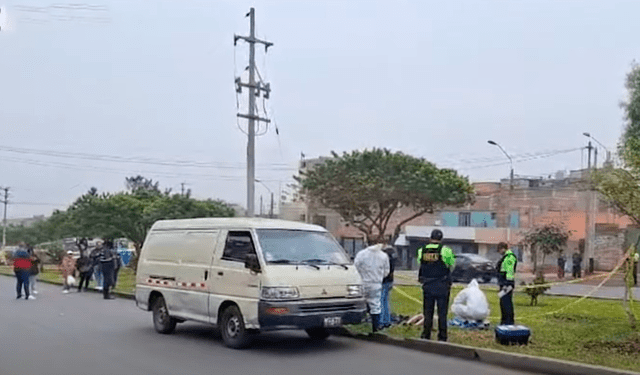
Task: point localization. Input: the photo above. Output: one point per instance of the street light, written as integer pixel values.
(595, 162)
(510, 161)
(270, 192)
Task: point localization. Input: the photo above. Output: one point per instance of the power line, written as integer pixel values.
(140, 160)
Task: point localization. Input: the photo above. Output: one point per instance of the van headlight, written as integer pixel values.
(280, 292)
(354, 290)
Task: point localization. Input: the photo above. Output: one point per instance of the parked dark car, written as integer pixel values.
(473, 266)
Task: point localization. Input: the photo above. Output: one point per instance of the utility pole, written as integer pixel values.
(254, 90)
(271, 209)
(182, 189)
(4, 220)
(588, 225)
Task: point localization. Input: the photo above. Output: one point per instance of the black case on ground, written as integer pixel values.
(512, 334)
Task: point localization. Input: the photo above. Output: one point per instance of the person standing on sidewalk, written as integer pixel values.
(436, 263)
(21, 266)
(97, 268)
(84, 265)
(387, 284)
(577, 261)
(67, 267)
(33, 271)
(561, 262)
(107, 262)
(373, 266)
(506, 281)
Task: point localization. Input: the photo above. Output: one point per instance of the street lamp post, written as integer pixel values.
(510, 161)
(270, 192)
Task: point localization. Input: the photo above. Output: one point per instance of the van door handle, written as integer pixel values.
(206, 274)
(220, 273)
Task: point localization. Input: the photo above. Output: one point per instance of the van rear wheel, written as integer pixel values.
(318, 333)
(234, 333)
(162, 322)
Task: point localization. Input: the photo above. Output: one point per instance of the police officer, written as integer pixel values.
(506, 281)
(436, 263)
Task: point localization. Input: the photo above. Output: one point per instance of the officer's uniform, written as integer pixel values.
(506, 280)
(436, 262)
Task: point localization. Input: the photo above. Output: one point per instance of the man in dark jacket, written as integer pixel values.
(84, 265)
(577, 262)
(387, 284)
(21, 266)
(107, 262)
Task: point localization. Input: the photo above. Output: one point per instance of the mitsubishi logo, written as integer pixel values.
(324, 292)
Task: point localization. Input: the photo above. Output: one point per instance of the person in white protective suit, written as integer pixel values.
(471, 304)
(373, 266)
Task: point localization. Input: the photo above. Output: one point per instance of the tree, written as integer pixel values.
(547, 239)
(621, 186)
(367, 187)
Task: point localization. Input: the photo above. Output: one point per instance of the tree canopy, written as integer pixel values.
(128, 214)
(367, 187)
(547, 239)
(621, 186)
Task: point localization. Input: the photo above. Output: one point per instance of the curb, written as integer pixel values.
(119, 294)
(493, 357)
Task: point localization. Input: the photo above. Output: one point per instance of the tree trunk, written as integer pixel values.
(534, 256)
(628, 294)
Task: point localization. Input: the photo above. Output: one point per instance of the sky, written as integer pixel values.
(95, 92)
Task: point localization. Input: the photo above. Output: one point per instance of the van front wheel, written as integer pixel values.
(162, 322)
(234, 333)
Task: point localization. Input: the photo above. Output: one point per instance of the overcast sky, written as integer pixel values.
(141, 80)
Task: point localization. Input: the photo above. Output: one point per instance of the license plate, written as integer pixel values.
(333, 321)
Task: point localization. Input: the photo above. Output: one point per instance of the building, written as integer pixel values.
(499, 213)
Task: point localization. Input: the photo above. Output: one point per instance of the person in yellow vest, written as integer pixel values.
(506, 281)
(436, 263)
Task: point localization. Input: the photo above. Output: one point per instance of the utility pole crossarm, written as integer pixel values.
(249, 39)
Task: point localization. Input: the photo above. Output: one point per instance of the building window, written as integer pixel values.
(464, 219)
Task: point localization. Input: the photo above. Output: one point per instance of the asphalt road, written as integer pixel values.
(83, 334)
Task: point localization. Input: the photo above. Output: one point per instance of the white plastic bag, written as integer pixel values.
(71, 280)
(471, 303)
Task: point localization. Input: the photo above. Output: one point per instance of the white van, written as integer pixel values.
(247, 275)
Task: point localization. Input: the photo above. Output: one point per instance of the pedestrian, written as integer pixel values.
(561, 261)
(33, 272)
(21, 266)
(118, 265)
(67, 266)
(436, 263)
(387, 284)
(577, 261)
(506, 281)
(84, 265)
(107, 262)
(97, 267)
(373, 266)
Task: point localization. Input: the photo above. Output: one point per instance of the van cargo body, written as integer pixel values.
(247, 275)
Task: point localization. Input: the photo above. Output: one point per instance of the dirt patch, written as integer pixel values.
(628, 344)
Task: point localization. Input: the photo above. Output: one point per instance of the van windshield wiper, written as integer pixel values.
(281, 261)
(309, 262)
(287, 261)
(327, 262)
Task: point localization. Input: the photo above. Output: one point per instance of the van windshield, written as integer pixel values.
(280, 246)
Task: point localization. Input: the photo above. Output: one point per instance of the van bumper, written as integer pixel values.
(273, 315)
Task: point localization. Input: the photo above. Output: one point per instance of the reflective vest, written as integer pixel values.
(503, 278)
(431, 264)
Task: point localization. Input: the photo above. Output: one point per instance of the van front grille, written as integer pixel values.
(320, 308)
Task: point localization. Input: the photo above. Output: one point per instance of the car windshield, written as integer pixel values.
(475, 258)
(295, 246)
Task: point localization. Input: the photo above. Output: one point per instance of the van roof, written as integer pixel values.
(234, 223)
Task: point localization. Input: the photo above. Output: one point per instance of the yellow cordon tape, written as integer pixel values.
(608, 277)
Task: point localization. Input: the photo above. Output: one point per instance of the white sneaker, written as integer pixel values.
(65, 291)
(32, 297)
(35, 292)
(99, 288)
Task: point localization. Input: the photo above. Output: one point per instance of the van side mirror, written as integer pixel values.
(251, 262)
